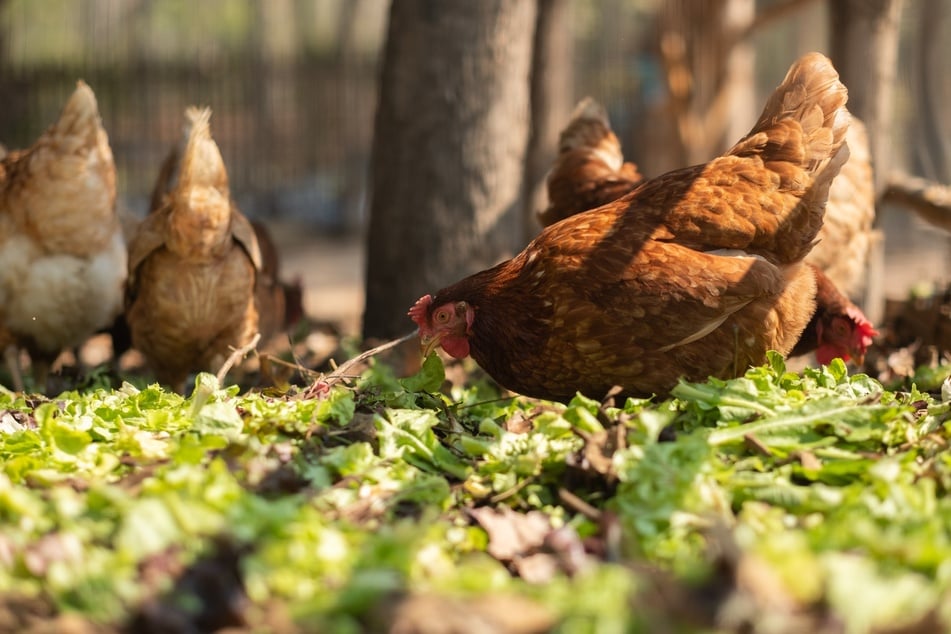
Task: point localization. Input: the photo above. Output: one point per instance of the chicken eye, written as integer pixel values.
(441, 316)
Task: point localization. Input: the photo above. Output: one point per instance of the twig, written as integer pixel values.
(236, 355)
(341, 372)
(504, 495)
(930, 200)
(574, 502)
(295, 365)
(324, 382)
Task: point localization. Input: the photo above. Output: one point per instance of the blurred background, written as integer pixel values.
(294, 83)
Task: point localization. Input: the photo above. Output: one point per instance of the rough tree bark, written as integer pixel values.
(551, 94)
(929, 154)
(864, 49)
(448, 152)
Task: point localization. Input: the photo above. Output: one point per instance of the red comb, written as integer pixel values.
(420, 310)
(864, 327)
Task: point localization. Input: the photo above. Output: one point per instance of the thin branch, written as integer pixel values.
(323, 383)
(293, 365)
(236, 356)
(930, 200)
(574, 502)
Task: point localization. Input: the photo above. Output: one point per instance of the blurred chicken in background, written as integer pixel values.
(62, 252)
(195, 265)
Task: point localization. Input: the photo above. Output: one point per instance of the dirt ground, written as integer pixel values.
(331, 269)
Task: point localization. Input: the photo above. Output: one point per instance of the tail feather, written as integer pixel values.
(79, 119)
(804, 121)
(800, 138)
(590, 169)
(202, 164)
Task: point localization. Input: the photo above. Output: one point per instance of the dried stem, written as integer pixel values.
(236, 355)
(342, 372)
(930, 200)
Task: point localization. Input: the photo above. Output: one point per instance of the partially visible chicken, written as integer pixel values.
(193, 266)
(590, 169)
(693, 274)
(62, 253)
(847, 236)
(577, 183)
(838, 327)
(269, 292)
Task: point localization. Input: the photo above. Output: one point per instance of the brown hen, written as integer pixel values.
(194, 263)
(62, 253)
(693, 274)
(586, 175)
(590, 169)
(838, 328)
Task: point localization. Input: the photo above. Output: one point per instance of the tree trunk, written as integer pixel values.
(449, 149)
(552, 81)
(710, 73)
(928, 153)
(864, 49)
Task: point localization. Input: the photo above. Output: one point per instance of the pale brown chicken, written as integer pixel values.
(847, 236)
(62, 253)
(693, 274)
(280, 303)
(194, 264)
(590, 171)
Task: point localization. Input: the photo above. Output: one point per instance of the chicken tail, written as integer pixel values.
(202, 164)
(800, 137)
(79, 123)
(590, 129)
(590, 169)
(804, 121)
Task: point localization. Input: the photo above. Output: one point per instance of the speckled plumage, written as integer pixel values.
(696, 273)
(193, 265)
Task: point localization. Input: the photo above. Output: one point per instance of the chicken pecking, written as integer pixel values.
(590, 171)
(194, 262)
(695, 273)
(62, 253)
(838, 328)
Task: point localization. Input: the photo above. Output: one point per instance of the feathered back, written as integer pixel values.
(589, 128)
(199, 204)
(800, 141)
(66, 178)
(847, 234)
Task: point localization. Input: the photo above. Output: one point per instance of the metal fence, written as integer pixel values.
(294, 125)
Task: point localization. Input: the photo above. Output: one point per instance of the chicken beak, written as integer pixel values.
(428, 343)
